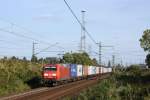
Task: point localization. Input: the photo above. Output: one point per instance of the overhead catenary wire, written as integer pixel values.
(45, 48)
(22, 36)
(18, 26)
(23, 28)
(54, 51)
(69, 7)
(82, 26)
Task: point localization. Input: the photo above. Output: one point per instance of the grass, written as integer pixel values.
(129, 85)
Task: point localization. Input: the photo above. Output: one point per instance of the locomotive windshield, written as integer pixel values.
(49, 68)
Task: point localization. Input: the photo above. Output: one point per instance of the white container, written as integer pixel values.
(102, 70)
(79, 70)
(97, 70)
(89, 70)
(105, 69)
(93, 69)
(110, 69)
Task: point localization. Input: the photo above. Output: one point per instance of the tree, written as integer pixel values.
(68, 58)
(24, 59)
(148, 60)
(52, 60)
(34, 58)
(78, 58)
(145, 40)
(145, 44)
(14, 58)
(94, 62)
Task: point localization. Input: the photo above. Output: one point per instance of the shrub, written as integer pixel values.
(15, 75)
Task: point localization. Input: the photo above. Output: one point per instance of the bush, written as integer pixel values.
(15, 75)
(120, 86)
(134, 70)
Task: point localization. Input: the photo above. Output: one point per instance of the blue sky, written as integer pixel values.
(113, 22)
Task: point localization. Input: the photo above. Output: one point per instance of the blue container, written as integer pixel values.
(73, 70)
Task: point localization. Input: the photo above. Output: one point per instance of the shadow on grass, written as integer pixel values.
(35, 82)
(134, 79)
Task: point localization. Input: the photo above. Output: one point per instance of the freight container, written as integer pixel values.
(73, 70)
(102, 70)
(79, 70)
(110, 69)
(105, 69)
(97, 70)
(93, 69)
(89, 70)
(85, 70)
(63, 72)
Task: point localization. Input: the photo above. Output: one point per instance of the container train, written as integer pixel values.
(58, 73)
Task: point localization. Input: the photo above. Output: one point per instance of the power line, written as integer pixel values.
(27, 31)
(100, 51)
(43, 50)
(54, 51)
(79, 21)
(14, 24)
(22, 36)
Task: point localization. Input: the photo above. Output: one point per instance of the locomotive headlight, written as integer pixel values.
(53, 74)
(45, 74)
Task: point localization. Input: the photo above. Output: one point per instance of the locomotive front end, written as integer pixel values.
(49, 74)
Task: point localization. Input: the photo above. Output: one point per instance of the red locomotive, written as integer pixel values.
(53, 73)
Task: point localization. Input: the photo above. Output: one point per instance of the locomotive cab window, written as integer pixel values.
(50, 69)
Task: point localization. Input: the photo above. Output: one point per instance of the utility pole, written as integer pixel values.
(83, 37)
(100, 52)
(33, 51)
(121, 62)
(113, 62)
(89, 49)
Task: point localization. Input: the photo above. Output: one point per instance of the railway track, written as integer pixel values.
(55, 93)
